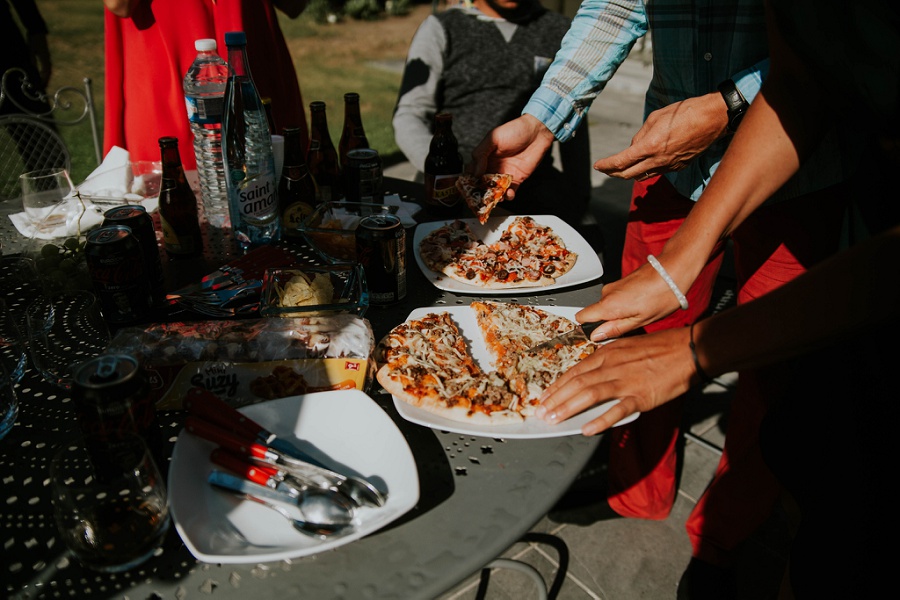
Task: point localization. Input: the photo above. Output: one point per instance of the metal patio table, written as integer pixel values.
(478, 495)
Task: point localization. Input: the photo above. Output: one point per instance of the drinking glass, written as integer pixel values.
(109, 501)
(12, 367)
(64, 330)
(44, 197)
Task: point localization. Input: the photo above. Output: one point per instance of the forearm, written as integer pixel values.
(854, 291)
(598, 42)
(776, 135)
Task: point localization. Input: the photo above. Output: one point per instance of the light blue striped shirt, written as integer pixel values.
(696, 46)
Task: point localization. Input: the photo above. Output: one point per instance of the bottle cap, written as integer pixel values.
(235, 38)
(205, 45)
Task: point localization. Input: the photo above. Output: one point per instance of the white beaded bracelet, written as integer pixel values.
(682, 300)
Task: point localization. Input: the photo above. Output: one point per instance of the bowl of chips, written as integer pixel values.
(312, 291)
(331, 228)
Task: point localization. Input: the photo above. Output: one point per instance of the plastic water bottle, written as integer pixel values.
(247, 148)
(204, 95)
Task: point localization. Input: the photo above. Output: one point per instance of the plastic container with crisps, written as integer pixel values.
(300, 292)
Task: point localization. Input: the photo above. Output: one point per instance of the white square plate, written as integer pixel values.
(337, 428)
(587, 268)
(464, 317)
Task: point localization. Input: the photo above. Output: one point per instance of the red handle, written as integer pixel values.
(206, 405)
(226, 439)
(240, 465)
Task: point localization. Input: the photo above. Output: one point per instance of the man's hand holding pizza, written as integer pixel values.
(516, 148)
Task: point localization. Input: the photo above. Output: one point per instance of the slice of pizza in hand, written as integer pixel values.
(483, 193)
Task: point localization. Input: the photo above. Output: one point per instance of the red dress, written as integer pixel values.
(148, 54)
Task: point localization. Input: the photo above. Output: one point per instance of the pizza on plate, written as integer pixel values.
(426, 362)
(484, 192)
(527, 254)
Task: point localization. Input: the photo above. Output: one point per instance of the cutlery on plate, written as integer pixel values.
(356, 488)
(270, 477)
(581, 333)
(321, 514)
(204, 404)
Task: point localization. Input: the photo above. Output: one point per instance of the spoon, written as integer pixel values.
(324, 511)
(337, 522)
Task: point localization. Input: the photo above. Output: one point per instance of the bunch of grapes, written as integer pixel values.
(62, 267)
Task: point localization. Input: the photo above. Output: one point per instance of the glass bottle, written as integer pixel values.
(204, 96)
(177, 205)
(247, 147)
(353, 136)
(296, 190)
(322, 158)
(443, 166)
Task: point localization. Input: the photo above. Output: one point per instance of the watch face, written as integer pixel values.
(735, 116)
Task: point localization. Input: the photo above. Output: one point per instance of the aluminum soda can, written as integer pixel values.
(363, 176)
(381, 250)
(111, 396)
(116, 265)
(136, 218)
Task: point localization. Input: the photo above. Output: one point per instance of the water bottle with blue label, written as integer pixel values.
(247, 148)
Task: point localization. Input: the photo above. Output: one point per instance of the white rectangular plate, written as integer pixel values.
(532, 428)
(336, 427)
(587, 268)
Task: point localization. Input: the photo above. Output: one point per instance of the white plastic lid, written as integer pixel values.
(205, 45)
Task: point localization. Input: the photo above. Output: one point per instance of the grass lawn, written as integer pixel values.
(330, 60)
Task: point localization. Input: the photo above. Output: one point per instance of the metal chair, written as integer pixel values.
(29, 139)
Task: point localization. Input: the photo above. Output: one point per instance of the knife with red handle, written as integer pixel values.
(209, 407)
(356, 488)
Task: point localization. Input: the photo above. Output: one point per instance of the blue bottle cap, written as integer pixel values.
(235, 38)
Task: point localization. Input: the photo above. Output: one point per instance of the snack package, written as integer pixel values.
(248, 361)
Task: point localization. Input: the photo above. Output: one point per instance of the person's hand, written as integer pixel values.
(634, 301)
(37, 44)
(642, 371)
(516, 148)
(670, 138)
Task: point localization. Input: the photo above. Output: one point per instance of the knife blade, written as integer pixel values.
(581, 333)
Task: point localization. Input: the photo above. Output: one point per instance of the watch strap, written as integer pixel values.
(736, 103)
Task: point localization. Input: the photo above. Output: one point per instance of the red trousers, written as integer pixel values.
(774, 245)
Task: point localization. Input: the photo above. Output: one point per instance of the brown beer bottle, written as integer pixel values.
(443, 166)
(322, 158)
(353, 136)
(296, 190)
(177, 205)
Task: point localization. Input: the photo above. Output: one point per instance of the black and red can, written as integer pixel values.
(381, 250)
(111, 396)
(135, 217)
(363, 176)
(116, 265)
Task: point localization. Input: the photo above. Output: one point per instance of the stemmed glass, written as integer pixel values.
(109, 501)
(63, 331)
(45, 198)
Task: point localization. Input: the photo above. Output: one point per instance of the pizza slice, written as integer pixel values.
(427, 364)
(484, 192)
(510, 331)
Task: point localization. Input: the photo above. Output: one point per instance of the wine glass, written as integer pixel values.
(109, 501)
(64, 330)
(45, 195)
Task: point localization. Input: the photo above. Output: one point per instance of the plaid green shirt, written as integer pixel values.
(696, 46)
